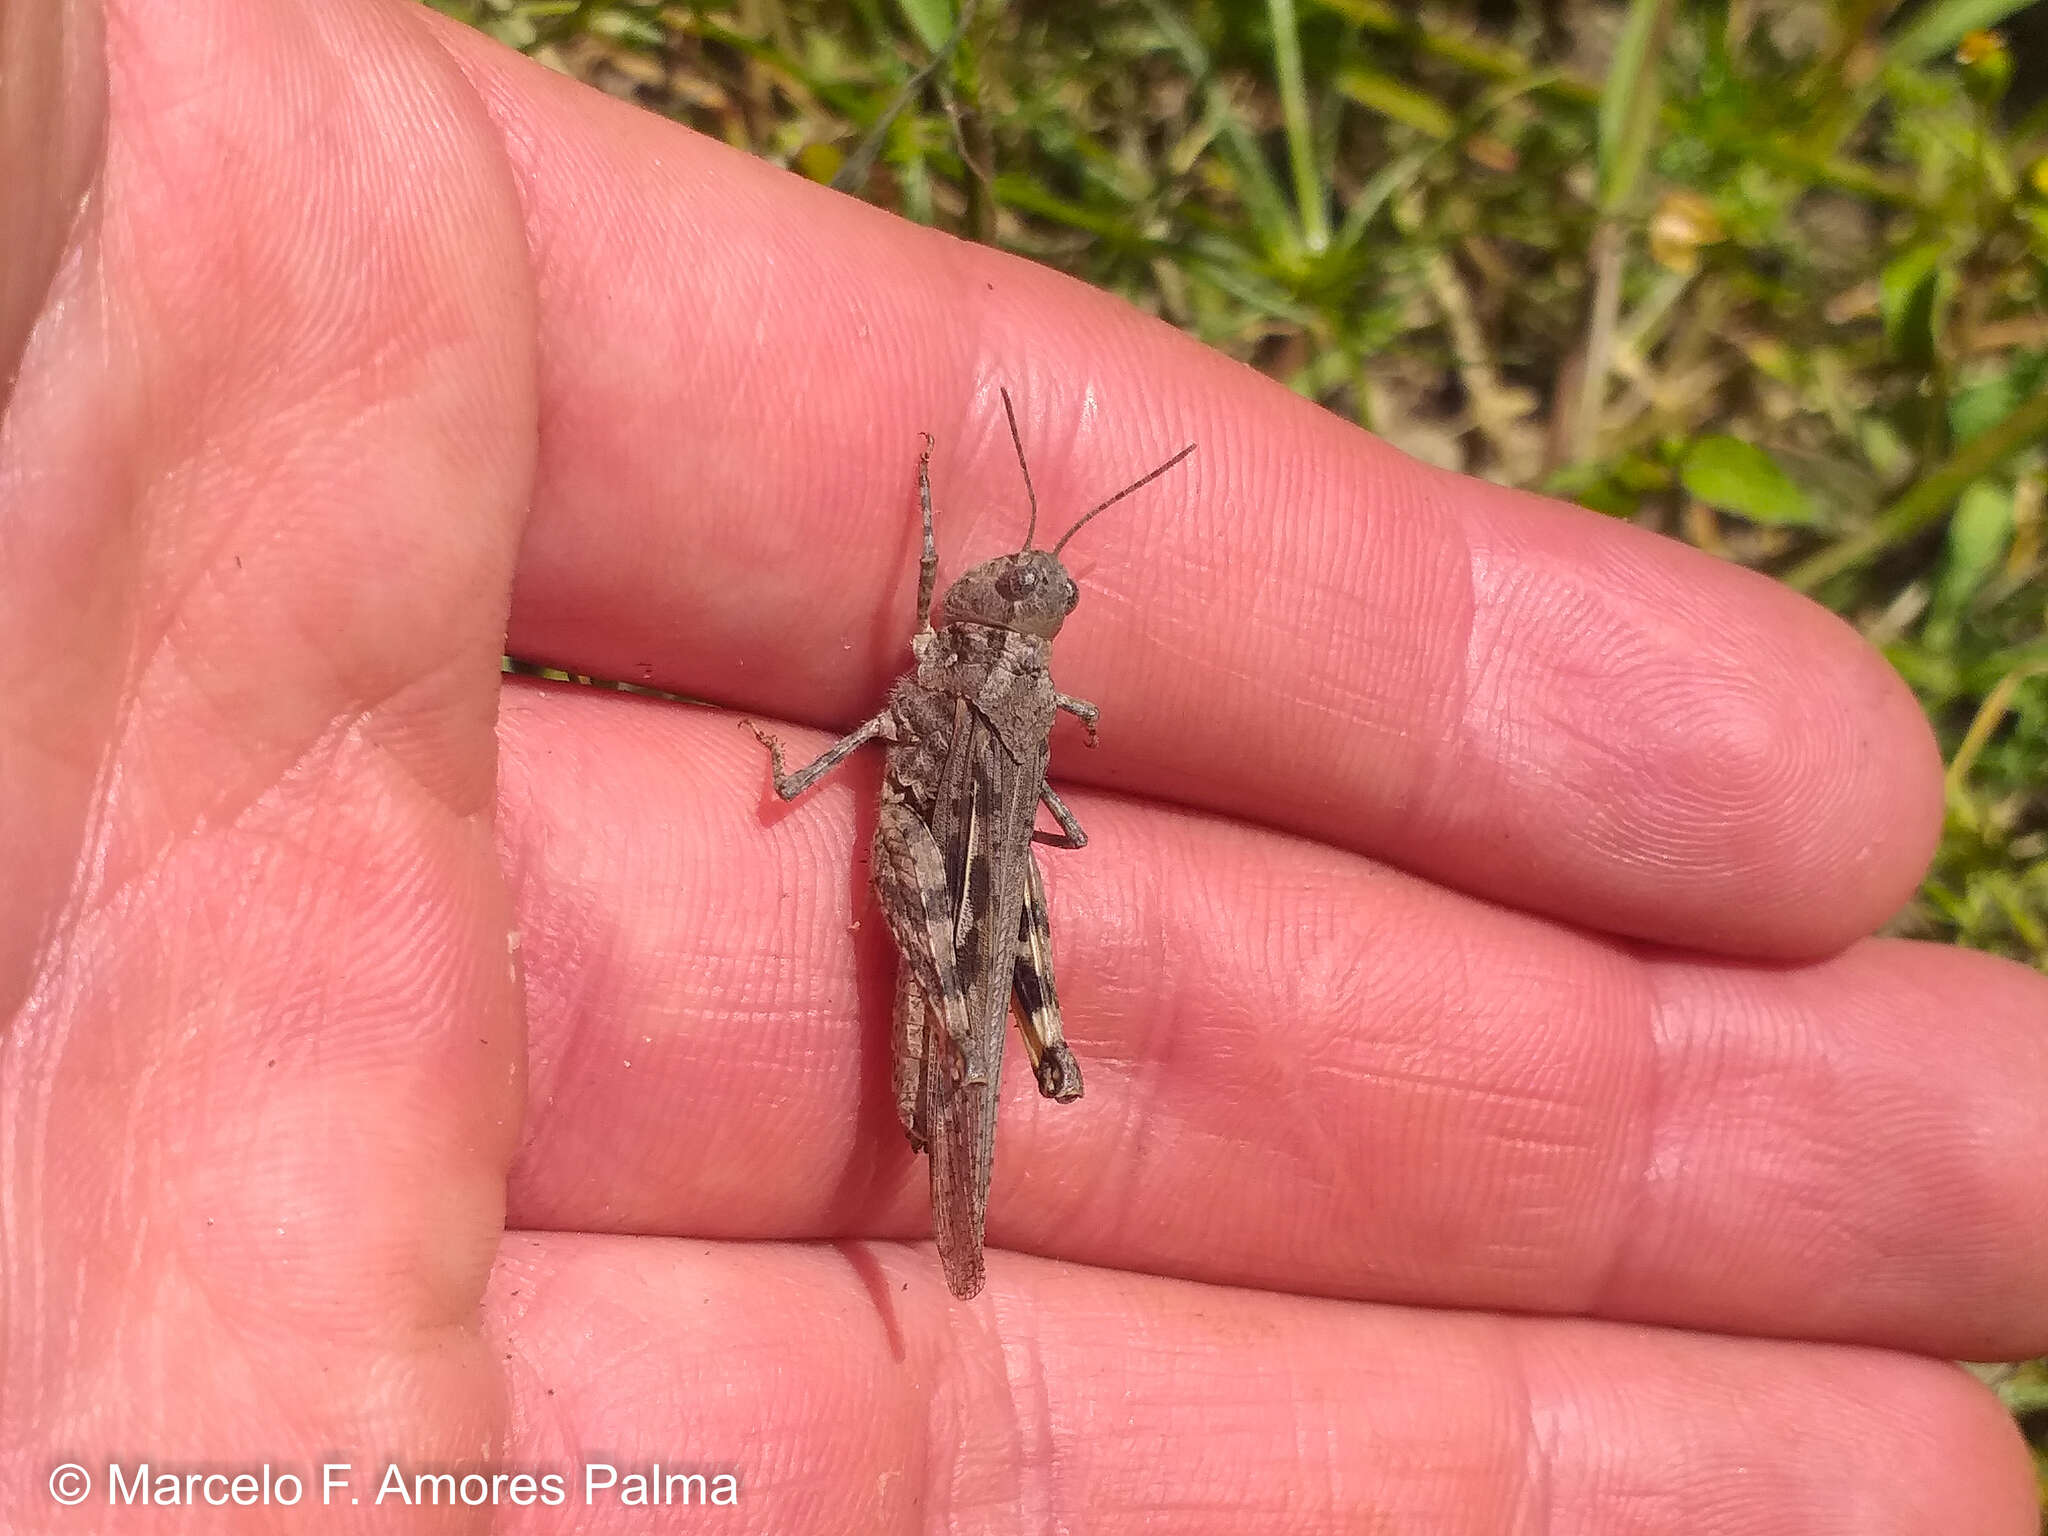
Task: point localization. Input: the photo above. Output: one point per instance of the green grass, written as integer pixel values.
(1771, 278)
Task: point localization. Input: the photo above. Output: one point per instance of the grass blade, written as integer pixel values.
(1311, 204)
(1628, 102)
(1263, 200)
(1930, 497)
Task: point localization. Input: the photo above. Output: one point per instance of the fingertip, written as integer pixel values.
(1733, 768)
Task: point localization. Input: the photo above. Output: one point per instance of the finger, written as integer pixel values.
(1075, 1399)
(1298, 625)
(60, 575)
(275, 413)
(1301, 1070)
(50, 71)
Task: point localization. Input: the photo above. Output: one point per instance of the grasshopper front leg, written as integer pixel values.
(790, 785)
(1082, 711)
(928, 554)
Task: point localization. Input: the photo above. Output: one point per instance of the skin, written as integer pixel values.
(1496, 1120)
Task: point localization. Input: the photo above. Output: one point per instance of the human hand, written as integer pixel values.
(1590, 1175)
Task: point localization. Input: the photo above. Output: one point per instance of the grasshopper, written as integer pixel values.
(968, 733)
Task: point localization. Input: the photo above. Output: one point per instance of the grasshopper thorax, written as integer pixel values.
(1029, 592)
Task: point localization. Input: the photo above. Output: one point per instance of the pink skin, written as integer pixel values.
(1497, 1020)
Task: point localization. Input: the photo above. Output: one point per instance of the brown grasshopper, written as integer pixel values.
(968, 733)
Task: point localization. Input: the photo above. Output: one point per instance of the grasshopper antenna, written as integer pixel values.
(1010, 415)
(1136, 485)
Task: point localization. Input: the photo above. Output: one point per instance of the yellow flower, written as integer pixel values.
(1976, 47)
(1987, 67)
(1684, 221)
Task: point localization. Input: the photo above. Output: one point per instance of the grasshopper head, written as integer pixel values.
(1029, 592)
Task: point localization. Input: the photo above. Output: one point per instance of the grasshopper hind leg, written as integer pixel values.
(906, 1052)
(1038, 1004)
(910, 884)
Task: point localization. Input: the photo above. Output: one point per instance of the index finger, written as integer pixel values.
(1300, 626)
